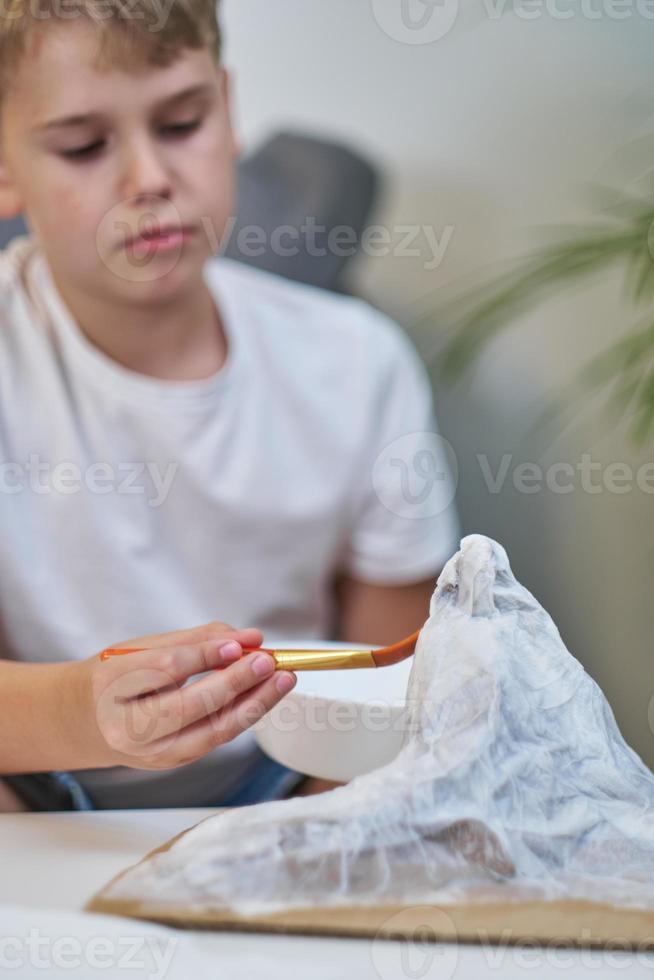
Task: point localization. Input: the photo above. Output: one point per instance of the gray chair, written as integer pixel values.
(303, 204)
(11, 229)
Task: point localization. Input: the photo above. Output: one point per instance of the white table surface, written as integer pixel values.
(52, 863)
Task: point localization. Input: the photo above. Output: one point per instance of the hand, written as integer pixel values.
(135, 710)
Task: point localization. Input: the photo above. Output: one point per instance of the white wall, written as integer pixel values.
(495, 128)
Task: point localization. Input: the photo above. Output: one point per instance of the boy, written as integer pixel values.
(181, 436)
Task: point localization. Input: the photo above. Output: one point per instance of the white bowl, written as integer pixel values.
(337, 724)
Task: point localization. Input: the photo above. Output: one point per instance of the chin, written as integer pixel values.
(160, 280)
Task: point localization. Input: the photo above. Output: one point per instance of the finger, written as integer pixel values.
(198, 634)
(157, 670)
(201, 737)
(250, 707)
(170, 712)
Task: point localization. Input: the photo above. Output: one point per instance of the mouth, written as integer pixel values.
(156, 239)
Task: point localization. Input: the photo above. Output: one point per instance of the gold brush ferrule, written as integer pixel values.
(323, 659)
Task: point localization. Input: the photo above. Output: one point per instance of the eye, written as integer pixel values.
(91, 149)
(82, 152)
(181, 128)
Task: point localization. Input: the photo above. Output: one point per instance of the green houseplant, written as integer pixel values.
(623, 237)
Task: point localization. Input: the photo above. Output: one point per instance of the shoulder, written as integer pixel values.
(321, 327)
(15, 308)
(13, 258)
(14, 261)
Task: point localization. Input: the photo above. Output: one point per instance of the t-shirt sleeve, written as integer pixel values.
(405, 524)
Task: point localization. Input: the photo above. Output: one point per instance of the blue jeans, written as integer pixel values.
(268, 781)
(56, 791)
(50, 791)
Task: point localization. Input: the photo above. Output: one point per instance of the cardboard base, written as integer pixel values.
(561, 923)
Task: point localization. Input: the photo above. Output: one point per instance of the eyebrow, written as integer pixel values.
(94, 117)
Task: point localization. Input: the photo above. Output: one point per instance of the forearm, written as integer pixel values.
(38, 719)
(381, 614)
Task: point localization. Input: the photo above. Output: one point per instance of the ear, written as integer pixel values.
(227, 94)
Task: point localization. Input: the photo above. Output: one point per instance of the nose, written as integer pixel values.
(145, 174)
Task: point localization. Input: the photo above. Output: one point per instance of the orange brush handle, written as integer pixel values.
(387, 656)
(381, 657)
(316, 659)
(119, 651)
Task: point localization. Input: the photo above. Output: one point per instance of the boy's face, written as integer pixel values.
(150, 150)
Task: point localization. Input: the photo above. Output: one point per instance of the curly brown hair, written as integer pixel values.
(131, 33)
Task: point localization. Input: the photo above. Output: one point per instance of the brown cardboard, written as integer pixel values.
(562, 923)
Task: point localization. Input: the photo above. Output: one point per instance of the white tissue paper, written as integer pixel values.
(512, 779)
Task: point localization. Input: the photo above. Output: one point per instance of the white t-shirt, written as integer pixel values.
(131, 505)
